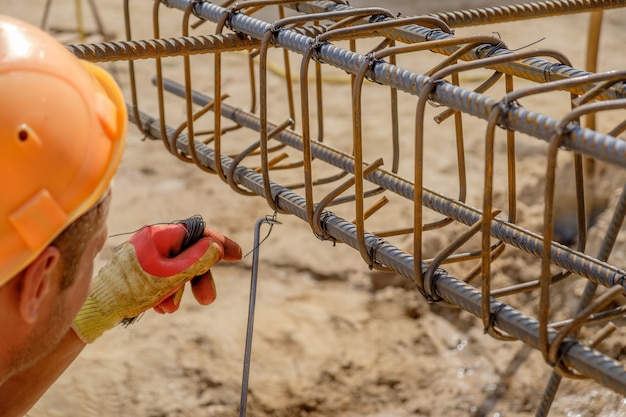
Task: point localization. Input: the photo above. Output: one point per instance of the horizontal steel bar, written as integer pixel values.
(524, 11)
(537, 70)
(170, 47)
(589, 362)
(161, 48)
(585, 141)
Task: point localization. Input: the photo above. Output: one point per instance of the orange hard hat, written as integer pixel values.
(62, 133)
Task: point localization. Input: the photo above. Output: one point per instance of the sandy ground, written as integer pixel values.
(331, 338)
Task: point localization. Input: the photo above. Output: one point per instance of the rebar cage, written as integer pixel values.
(393, 207)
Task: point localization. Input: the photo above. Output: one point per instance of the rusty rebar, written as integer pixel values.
(536, 70)
(524, 11)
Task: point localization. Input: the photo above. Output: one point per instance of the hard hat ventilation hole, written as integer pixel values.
(28, 136)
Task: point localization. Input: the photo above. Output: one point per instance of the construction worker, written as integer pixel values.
(62, 133)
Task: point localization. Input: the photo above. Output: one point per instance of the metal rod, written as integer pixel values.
(251, 307)
(516, 12)
(131, 50)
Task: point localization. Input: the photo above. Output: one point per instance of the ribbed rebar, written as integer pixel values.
(153, 48)
(512, 234)
(514, 12)
(536, 70)
(585, 360)
(585, 141)
(168, 47)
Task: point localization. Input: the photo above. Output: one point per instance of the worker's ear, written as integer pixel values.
(37, 280)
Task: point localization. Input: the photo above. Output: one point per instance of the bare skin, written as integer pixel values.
(20, 393)
(37, 341)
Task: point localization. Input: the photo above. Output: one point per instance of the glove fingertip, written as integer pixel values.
(167, 306)
(203, 289)
(231, 250)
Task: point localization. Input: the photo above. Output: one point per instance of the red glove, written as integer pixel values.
(150, 270)
(202, 286)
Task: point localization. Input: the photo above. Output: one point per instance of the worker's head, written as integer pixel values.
(62, 132)
(62, 126)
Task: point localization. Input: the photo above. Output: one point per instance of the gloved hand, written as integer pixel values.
(148, 271)
(202, 286)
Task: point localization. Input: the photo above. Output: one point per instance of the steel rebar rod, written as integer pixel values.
(585, 141)
(587, 361)
(537, 70)
(151, 48)
(516, 12)
(170, 47)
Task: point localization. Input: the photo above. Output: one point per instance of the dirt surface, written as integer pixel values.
(331, 337)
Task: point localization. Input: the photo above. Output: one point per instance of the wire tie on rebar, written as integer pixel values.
(378, 18)
(491, 49)
(503, 119)
(563, 348)
(233, 10)
(492, 318)
(145, 127)
(547, 70)
(561, 132)
(324, 226)
(316, 45)
(274, 30)
(323, 223)
(194, 12)
(147, 134)
(371, 62)
(429, 282)
(429, 295)
(431, 32)
(439, 272)
(372, 254)
(275, 199)
(431, 91)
